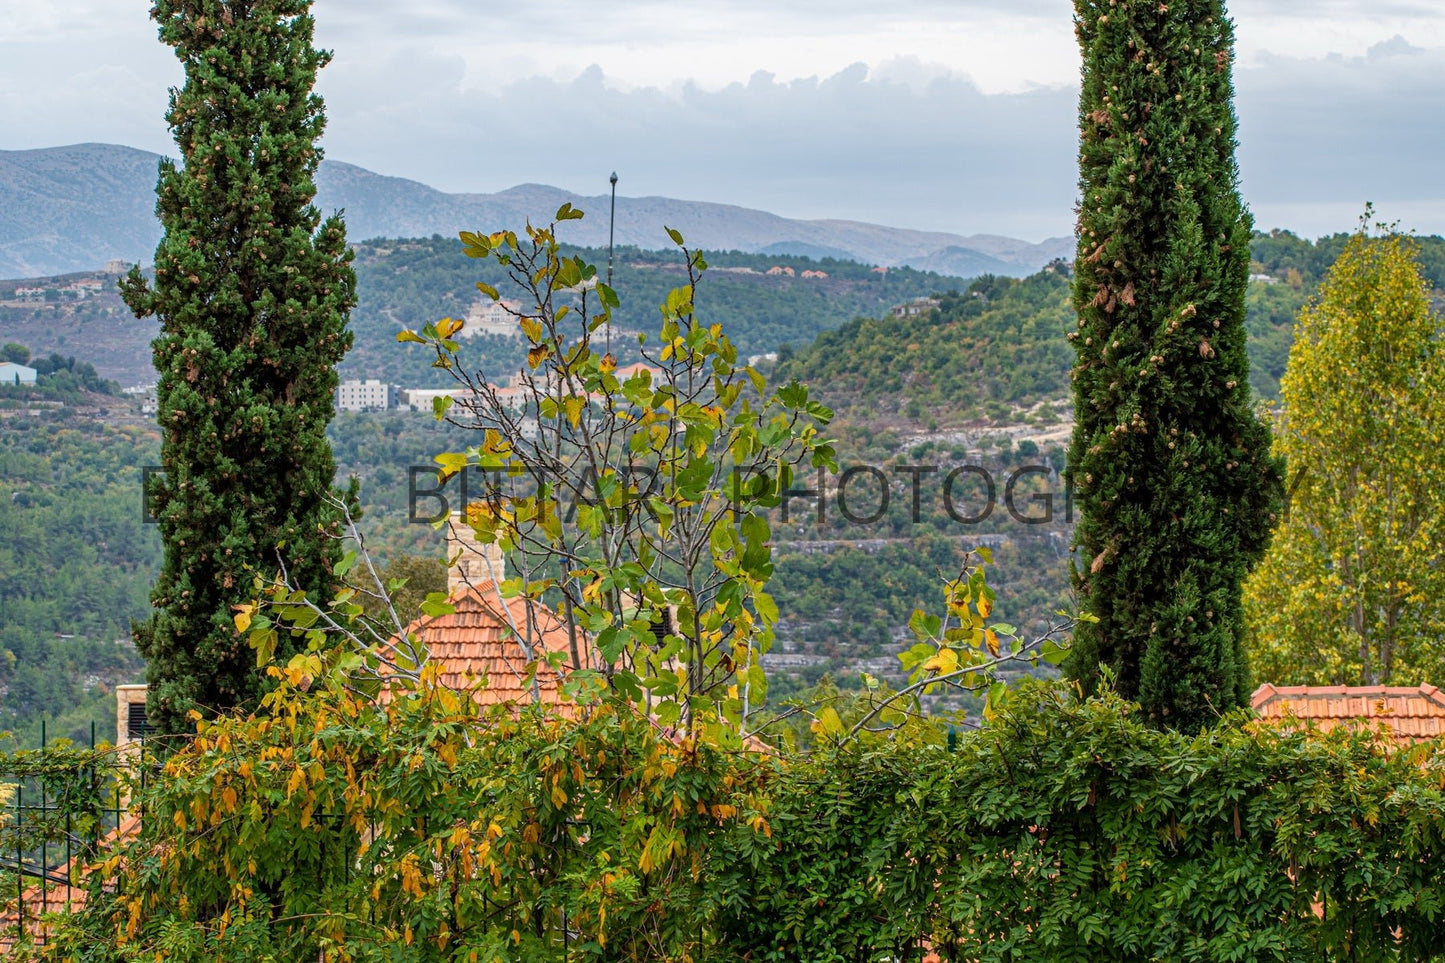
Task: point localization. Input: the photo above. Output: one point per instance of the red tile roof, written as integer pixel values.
(480, 640)
(49, 897)
(1412, 714)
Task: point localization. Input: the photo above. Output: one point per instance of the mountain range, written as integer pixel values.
(67, 209)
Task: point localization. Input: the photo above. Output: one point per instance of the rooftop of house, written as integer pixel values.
(482, 639)
(53, 896)
(1412, 713)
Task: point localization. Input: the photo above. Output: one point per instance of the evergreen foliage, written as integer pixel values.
(1172, 468)
(1353, 589)
(252, 292)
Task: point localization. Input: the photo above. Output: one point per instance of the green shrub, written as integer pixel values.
(1071, 831)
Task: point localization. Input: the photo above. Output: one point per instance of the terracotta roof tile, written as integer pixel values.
(47, 897)
(480, 640)
(1411, 713)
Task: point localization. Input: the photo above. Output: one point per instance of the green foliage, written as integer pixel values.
(69, 795)
(1072, 831)
(1169, 461)
(1066, 831)
(1353, 589)
(252, 292)
(59, 378)
(632, 501)
(76, 565)
(331, 826)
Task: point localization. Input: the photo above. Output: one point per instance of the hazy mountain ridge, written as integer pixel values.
(66, 209)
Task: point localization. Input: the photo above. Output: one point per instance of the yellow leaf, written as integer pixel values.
(828, 722)
(943, 663)
(573, 406)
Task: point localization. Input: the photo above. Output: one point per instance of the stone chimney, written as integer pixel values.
(472, 563)
(131, 724)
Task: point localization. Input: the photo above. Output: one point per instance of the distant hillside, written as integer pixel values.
(968, 263)
(407, 283)
(999, 341)
(998, 347)
(68, 209)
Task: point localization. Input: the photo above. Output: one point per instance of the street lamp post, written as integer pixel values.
(611, 224)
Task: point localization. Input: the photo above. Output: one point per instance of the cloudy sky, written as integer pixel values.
(943, 114)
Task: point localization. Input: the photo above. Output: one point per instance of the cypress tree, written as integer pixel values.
(1170, 464)
(252, 291)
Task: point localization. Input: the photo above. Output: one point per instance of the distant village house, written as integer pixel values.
(912, 309)
(16, 374)
(368, 395)
(491, 317)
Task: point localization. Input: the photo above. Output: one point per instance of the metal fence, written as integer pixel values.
(65, 800)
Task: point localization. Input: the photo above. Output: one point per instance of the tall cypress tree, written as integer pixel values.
(252, 291)
(1176, 486)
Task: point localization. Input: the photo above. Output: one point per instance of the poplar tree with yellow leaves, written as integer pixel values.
(1169, 461)
(1352, 591)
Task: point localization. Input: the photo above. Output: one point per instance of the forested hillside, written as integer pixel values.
(997, 340)
(976, 389)
(997, 345)
(76, 565)
(408, 283)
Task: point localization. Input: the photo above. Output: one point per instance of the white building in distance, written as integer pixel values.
(368, 395)
(491, 317)
(16, 374)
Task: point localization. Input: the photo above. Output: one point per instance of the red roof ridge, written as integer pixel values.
(483, 637)
(1269, 690)
(1410, 713)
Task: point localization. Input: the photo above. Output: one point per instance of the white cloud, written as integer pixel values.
(1320, 136)
(964, 119)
